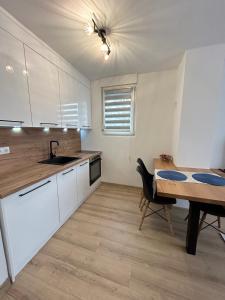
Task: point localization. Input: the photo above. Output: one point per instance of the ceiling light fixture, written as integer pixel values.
(105, 47)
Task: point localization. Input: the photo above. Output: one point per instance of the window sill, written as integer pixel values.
(118, 133)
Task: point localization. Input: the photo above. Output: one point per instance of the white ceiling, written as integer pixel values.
(146, 35)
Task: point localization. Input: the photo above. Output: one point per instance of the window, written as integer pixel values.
(118, 110)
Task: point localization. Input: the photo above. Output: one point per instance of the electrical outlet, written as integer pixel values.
(4, 150)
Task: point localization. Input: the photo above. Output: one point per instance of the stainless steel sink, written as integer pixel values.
(59, 160)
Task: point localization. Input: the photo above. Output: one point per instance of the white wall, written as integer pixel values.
(218, 151)
(178, 104)
(202, 109)
(154, 108)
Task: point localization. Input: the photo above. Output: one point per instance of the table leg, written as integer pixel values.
(192, 228)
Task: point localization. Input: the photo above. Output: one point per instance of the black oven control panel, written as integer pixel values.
(95, 157)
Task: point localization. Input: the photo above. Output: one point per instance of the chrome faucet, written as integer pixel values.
(51, 154)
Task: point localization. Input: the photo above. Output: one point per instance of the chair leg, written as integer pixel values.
(168, 217)
(219, 222)
(142, 197)
(144, 214)
(202, 221)
(143, 204)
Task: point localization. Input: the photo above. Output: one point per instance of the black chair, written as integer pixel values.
(150, 197)
(150, 177)
(214, 210)
(141, 163)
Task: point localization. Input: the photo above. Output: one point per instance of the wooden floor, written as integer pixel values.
(100, 255)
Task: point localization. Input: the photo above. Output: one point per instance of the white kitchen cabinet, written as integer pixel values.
(84, 106)
(29, 218)
(69, 100)
(14, 97)
(44, 90)
(3, 266)
(83, 186)
(67, 192)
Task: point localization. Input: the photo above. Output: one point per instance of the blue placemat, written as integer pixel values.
(172, 175)
(209, 178)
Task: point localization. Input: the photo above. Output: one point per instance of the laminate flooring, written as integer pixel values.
(99, 254)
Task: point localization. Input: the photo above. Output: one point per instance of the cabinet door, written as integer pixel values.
(44, 90)
(29, 218)
(68, 100)
(83, 186)
(14, 97)
(84, 106)
(3, 268)
(67, 192)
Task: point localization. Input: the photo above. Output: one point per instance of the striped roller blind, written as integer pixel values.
(118, 109)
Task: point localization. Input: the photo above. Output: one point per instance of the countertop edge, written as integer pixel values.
(59, 169)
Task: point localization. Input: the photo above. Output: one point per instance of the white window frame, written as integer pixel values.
(119, 132)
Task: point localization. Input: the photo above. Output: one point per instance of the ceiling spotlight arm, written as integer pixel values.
(96, 29)
(102, 34)
(108, 52)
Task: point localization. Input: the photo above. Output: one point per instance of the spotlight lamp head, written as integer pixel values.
(104, 47)
(107, 54)
(89, 29)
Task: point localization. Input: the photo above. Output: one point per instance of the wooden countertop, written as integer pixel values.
(23, 177)
(187, 190)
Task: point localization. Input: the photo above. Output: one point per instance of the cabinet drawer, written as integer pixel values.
(29, 218)
(67, 192)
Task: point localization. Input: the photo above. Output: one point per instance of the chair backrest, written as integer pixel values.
(147, 183)
(141, 163)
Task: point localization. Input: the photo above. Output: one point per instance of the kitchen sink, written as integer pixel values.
(59, 160)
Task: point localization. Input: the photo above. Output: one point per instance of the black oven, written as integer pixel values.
(95, 168)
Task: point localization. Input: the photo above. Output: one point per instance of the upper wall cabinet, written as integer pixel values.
(84, 106)
(69, 100)
(14, 97)
(44, 90)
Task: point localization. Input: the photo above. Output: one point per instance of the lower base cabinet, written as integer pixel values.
(3, 266)
(67, 192)
(29, 218)
(83, 186)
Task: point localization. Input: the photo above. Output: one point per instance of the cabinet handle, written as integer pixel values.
(38, 187)
(72, 125)
(67, 172)
(84, 164)
(55, 124)
(12, 121)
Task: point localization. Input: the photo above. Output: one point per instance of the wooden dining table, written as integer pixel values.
(195, 193)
